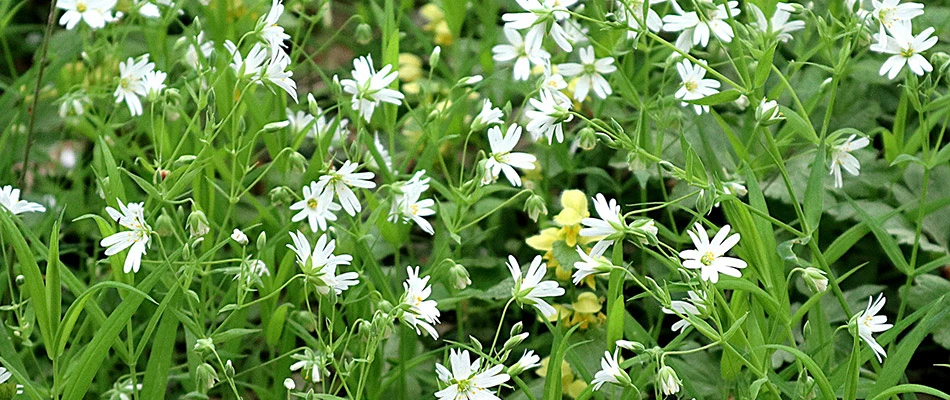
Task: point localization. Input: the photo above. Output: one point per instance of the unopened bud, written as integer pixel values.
(471, 80)
(941, 61)
(239, 237)
(298, 161)
(228, 369)
(535, 206)
(516, 328)
(281, 195)
(587, 138)
(816, 279)
(289, 384)
(206, 376)
(164, 225)
(459, 276)
(434, 57)
(275, 126)
(364, 33)
(742, 102)
(514, 341)
(20, 280)
(185, 160)
(667, 380)
(204, 345)
(198, 224)
(261, 241)
(630, 345)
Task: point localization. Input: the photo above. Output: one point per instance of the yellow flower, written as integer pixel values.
(587, 311)
(570, 385)
(437, 24)
(410, 67)
(574, 203)
(544, 240)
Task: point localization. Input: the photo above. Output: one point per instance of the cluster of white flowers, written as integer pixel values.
(407, 204)
(895, 36)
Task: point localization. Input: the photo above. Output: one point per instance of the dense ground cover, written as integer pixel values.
(474, 199)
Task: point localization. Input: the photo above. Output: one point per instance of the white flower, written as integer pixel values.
(709, 257)
(906, 49)
(593, 264)
(841, 158)
(768, 112)
(132, 75)
(668, 381)
(465, 381)
(779, 25)
(383, 154)
(251, 270)
(589, 74)
(632, 13)
(301, 120)
(696, 305)
(610, 371)
(869, 322)
(204, 48)
(547, 115)
(527, 361)
(422, 313)
(96, 13)
(249, 67)
(10, 199)
(270, 32)
(696, 30)
(610, 223)
(313, 364)
(340, 181)
(523, 55)
(238, 236)
(278, 74)
(154, 82)
(369, 87)
(320, 263)
(488, 116)
(317, 207)
(407, 206)
(530, 289)
(539, 14)
(502, 159)
(694, 85)
(891, 12)
(136, 238)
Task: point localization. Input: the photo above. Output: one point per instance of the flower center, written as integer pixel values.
(312, 203)
(81, 7)
(691, 85)
(708, 258)
(590, 69)
(907, 53)
(124, 82)
(414, 209)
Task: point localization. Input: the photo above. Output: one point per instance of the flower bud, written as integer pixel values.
(516, 328)
(471, 80)
(514, 341)
(667, 380)
(281, 195)
(434, 57)
(228, 369)
(587, 138)
(631, 345)
(261, 241)
(298, 161)
(768, 113)
(459, 276)
(239, 237)
(742, 102)
(941, 62)
(206, 376)
(185, 160)
(312, 105)
(20, 280)
(364, 33)
(645, 230)
(198, 224)
(275, 126)
(289, 384)
(204, 345)
(527, 361)
(164, 225)
(535, 207)
(816, 279)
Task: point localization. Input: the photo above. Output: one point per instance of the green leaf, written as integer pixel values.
(160, 357)
(800, 125)
(54, 287)
(896, 363)
(887, 242)
(815, 190)
(764, 66)
(275, 327)
(827, 392)
(31, 273)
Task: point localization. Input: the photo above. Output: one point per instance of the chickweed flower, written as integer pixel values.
(631, 12)
(590, 74)
(317, 207)
(816, 279)
(422, 313)
(547, 116)
(319, 264)
(466, 380)
(695, 30)
(709, 256)
(196, 55)
(891, 12)
(593, 264)
(488, 116)
(132, 83)
(527, 361)
(667, 380)
(270, 32)
(502, 159)
(136, 238)
(238, 236)
(369, 87)
(340, 181)
(694, 305)
(768, 113)
(537, 16)
(312, 364)
(610, 225)
(610, 371)
(249, 67)
(10, 199)
(695, 86)
(906, 49)
(841, 158)
(779, 25)
(530, 289)
(277, 74)
(519, 51)
(96, 13)
(407, 206)
(868, 323)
